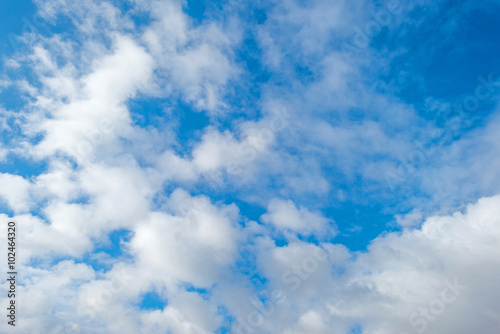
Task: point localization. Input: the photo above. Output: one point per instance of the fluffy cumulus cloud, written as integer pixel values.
(266, 167)
(285, 216)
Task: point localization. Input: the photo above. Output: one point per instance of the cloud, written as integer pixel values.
(15, 190)
(194, 61)
(284, 215)
(411, 219)
(95, 116)
(396, 286)
(193, 246)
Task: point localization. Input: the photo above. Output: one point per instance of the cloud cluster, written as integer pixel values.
(440, 277)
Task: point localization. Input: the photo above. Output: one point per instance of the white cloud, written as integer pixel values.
(194, 246)
(4, 84)
(385, 289)
(15, 191)
(195, 61)
(411, 219)
(90, 18)
(449, 263)
(97, 115)
(284, 215)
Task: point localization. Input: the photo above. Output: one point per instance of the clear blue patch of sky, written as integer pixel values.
(356, 330)
(249, 210)
(5, 209)
(147, 111)
(17, 18)
(358, 225)
(280, 241)
(113, 246)
(192, 288)
(249, 57)
(223, 330)
(191, 124)
(141, 19)
(202, 292)
(187, 122)
(196, 10)
(23, 17)
(246, 265)
(10, 97)
(17, 165)
(201, 11)
(447, 53)
(151, 300)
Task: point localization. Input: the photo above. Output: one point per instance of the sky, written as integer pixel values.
(194, 167)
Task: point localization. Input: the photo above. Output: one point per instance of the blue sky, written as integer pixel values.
(178, 161)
